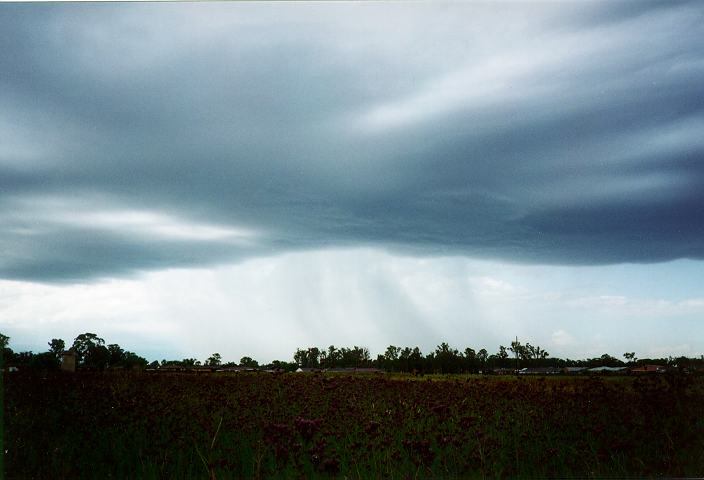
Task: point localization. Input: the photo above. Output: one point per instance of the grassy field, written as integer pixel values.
(140, 425)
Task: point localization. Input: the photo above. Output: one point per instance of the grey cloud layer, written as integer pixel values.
(543, 133)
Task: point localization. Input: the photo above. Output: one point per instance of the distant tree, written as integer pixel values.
(248, 362)
(365, 357)
(116, 355)
(85, 342)
(529, 354)
(390, 358)
(630, 357)
(56, 347)
(517, 350)
(97, 357)
(404, 359)
(446, 359)
(214, 360)
(415, 360)
(607, 360)
(44, 361)
(323, 358)
(301, 358)
(310, 357)
(6, 353)
(133, 361)
(482, 355)
(314, 357)
(332, 357)
(353, 357)
(154, 364)
(23, 358)
(285, 366)
(502, 357)
(470, 360)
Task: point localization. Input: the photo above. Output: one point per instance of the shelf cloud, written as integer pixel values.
(142, 137)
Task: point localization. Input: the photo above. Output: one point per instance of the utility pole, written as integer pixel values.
(515, 352)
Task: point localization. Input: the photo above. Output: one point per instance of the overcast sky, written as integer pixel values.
(249, 178)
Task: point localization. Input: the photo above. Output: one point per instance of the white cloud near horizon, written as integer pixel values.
(267, 307)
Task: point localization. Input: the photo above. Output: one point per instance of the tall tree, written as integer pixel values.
(482, 355)
(390, 357)
(470, 360)
(214, 360)
(97, 356)
(56, 347)
(84, 342)
(503, 357)
(301, 358)
(332, 357)
(248, 362)
(116, 355)
(314, 357)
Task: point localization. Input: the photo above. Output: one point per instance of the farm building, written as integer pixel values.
(354, 370)
(237, 369)
(539, 371)
(574, 370)
(648, 369)
(607, 370)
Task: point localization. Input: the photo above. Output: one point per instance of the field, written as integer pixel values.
(141, 425)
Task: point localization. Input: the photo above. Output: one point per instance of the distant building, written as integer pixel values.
(340, 370)
(648, 369)
(539, 371)
(608, 370)
(171, 367)
(68, 361)
(237, 369)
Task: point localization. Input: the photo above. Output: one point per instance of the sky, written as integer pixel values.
(251, 178)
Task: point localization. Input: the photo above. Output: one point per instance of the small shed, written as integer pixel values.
(68, 361)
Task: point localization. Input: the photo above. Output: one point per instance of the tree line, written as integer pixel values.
(446, 359)
(92, 353)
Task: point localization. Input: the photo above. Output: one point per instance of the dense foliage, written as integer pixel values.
(446, 359)
(151, 425)
(92, 353)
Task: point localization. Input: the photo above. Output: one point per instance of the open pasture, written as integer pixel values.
(140, 425)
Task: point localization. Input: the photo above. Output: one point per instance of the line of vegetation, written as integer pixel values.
(92, 353)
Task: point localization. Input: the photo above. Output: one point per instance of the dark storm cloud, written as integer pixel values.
(548, 133)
